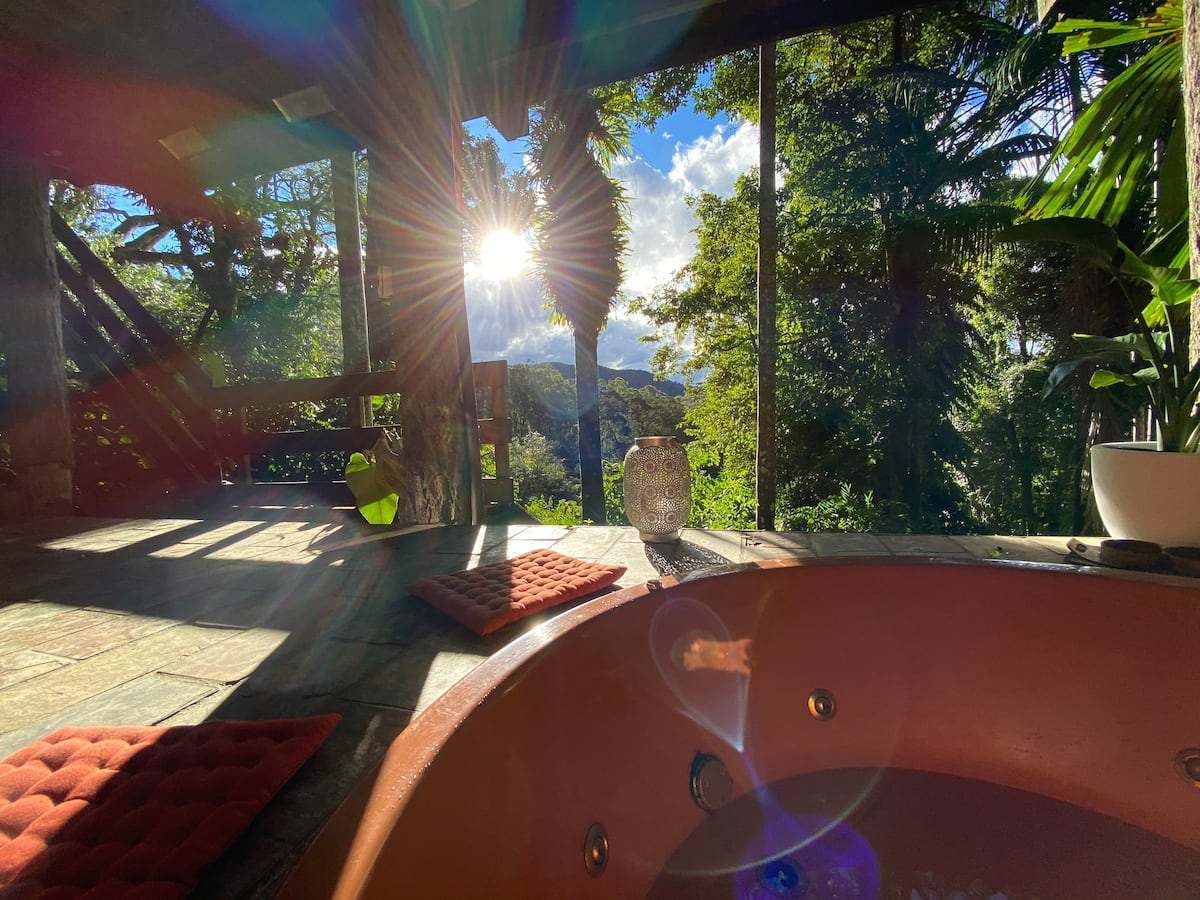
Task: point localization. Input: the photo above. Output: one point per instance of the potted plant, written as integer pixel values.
(1144, 490)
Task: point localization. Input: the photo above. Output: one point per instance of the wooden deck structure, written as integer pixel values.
(170, 97)
(198, 431)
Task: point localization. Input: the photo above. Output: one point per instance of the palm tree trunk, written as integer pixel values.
(587, 400)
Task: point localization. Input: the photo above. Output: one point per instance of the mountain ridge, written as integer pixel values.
(635, 378)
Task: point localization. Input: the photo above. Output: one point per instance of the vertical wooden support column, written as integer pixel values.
(766, 465)
(378, 282)
(1191, 106)
(356, 355)
(415, 243)
(39, 421)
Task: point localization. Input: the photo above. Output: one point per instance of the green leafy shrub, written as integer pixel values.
(564, 512)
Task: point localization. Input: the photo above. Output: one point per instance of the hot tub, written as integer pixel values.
(816, 729)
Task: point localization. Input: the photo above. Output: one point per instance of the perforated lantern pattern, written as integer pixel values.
(658, 488)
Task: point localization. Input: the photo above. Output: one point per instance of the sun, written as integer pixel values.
(503, 254)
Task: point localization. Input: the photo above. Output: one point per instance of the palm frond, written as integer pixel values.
(1121, 128)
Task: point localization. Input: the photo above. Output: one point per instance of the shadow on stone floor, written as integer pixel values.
(683, 557)
(342, 636)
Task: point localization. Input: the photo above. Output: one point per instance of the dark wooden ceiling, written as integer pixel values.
(92, 86)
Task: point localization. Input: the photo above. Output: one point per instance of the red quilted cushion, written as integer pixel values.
(492, 596)
(110, 812)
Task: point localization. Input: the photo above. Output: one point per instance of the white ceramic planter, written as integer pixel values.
(1147, 495)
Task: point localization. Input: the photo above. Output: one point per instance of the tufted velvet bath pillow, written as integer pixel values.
(494, 595)
(113, 812)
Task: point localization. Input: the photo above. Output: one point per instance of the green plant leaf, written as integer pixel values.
(381, 511)
(1097, 240)
(1119, 347)
(1103, 378)
(375, 502)
(1091, 34)
(1060, 372)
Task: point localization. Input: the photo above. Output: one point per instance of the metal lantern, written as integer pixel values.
(658, 488)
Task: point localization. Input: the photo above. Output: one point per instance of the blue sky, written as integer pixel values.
(685, 154)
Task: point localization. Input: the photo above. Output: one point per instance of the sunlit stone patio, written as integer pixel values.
(174, 621)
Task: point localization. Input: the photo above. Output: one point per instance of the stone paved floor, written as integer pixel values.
(174, 621)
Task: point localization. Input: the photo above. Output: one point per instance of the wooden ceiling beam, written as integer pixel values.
(92, 89)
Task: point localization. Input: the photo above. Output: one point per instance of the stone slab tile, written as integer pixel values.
(388, 578)
(848, 545)
(23, 634)
(731, 542)
(1002, 547)
(539, 532)
(922, 545)
(509, 549)
(45, 695)
(112, 632)
(221, 608)
(322, 666)
(413, 679)
(627, 534)
(230, 660)
(21, 665)
(31, 579)
(202, 709)
(593, 544)
(407, 621)
(251, 552)
(18, 613)
(224, 533)
(143, 701)
(159, 526)
(278, 535)
(1057, 544)
(639, 571)
(778, 544)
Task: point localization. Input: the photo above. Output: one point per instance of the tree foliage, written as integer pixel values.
(910, 347)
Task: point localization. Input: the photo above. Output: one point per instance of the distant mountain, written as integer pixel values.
(635, 378)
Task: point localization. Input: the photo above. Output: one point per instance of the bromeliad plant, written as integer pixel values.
(1155, 355)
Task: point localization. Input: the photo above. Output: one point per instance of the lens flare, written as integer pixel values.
(708, 671)
(282, 27)
(808, 856)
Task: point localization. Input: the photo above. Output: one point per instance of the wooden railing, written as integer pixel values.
(243, 444)
(496, 429)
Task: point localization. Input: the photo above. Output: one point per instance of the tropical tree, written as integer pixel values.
(891, 134)
(580, 242)
(265, 272)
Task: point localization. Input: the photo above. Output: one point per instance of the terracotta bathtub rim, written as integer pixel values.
(418, 745)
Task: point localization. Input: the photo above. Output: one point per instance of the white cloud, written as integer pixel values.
(661, 239)
(713, 163)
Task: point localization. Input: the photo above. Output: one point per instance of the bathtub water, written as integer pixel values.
(805, 729)
(854, 833)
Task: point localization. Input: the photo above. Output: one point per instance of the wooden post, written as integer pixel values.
(39, 421)
(1191, 106)
(356, 355)
(415, 244)
(767, 340)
